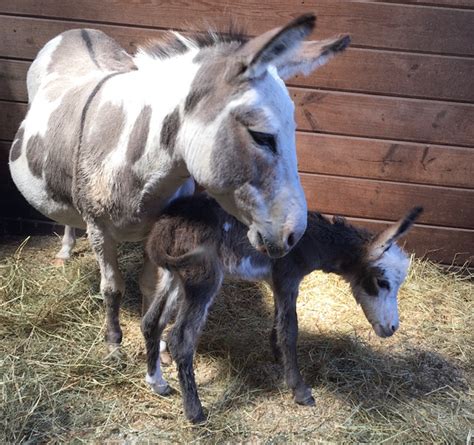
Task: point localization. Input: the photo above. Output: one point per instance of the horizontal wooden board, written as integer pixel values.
(358, 70)
(23, 37)
(13, 80)
(386, 160)
(445, 245)
(468, 4)
(11, 115)
(353, 115)
(381, 25)
(384, 117)
(367, 198)
(395, 73)
(375, 159)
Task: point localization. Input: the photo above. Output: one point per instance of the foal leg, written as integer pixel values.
(154, 322)
(183, 339)
(286, 321)
(67, 244)
(112, 285)
(149, 282)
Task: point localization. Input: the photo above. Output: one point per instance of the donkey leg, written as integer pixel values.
(67, 245)
(153, 323)
(287, 336)
(112, 285)
(182, 339)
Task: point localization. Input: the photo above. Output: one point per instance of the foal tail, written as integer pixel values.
(191, 258)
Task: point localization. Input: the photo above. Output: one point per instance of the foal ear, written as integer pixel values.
(268, 48)
(391, 234)
(311, 55)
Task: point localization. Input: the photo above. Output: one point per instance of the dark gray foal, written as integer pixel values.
(195, 245)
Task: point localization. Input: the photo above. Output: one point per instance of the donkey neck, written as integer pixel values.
(162, 85)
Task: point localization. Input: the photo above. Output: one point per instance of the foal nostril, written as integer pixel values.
(260, 239)
(290, 240)
(394, 328)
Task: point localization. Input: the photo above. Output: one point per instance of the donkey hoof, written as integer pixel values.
(304, 397)
(58, 262)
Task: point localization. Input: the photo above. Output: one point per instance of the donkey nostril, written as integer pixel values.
(260, 239)
(291, 239)
(394, 328)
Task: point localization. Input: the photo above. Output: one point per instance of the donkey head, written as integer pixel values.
(383, 270)
(238, 133)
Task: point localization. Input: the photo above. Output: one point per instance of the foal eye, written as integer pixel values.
(384, 284)
(265, 140)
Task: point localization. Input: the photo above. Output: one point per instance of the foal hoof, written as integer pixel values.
(304, 397)
(197, 418)
(115, 356)
(162, 390)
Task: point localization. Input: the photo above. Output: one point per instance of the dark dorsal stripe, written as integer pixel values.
(91, 98)
(139, 136)
(169, 130)
(15, 151)
(90, 49)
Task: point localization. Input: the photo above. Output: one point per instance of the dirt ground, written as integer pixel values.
(57, 385)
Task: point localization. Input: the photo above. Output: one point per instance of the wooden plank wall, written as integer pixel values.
(388, 125)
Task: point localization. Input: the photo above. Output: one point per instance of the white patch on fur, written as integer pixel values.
(226, 226)
(246, 270)
(382, 310)
(67, 243)
(38, 71)
(156, 381)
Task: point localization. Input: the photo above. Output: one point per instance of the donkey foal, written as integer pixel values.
(195, 245)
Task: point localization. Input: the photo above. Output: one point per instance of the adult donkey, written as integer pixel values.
(110, 138)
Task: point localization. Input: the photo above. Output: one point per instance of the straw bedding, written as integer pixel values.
(58, 386)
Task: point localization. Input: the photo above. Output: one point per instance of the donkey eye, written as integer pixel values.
(384, 284)
(265, 140)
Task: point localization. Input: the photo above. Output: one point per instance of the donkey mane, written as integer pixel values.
(174, 43)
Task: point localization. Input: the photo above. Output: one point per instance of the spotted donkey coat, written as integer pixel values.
(110, 138)
(195, 245)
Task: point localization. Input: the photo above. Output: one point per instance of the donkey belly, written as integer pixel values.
(35, 191)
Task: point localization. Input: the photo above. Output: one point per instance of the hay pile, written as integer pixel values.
(57, 386)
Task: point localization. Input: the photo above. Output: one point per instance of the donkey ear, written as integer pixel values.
(275, 44)
(311, 55)
(391, 234)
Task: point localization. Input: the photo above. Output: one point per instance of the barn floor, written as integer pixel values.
(57, 386)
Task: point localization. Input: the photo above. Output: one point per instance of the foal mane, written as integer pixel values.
(175, 43)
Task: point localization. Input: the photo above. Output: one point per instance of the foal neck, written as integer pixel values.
(333, 246)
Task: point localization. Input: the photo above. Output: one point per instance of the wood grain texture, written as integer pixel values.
(11, 115)
(386, 160)
(384, 117)
(396, 73)
(367, 198)
(360, 70)
(468, 4)
(380, 25)
(23, 37)
(13, 80)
